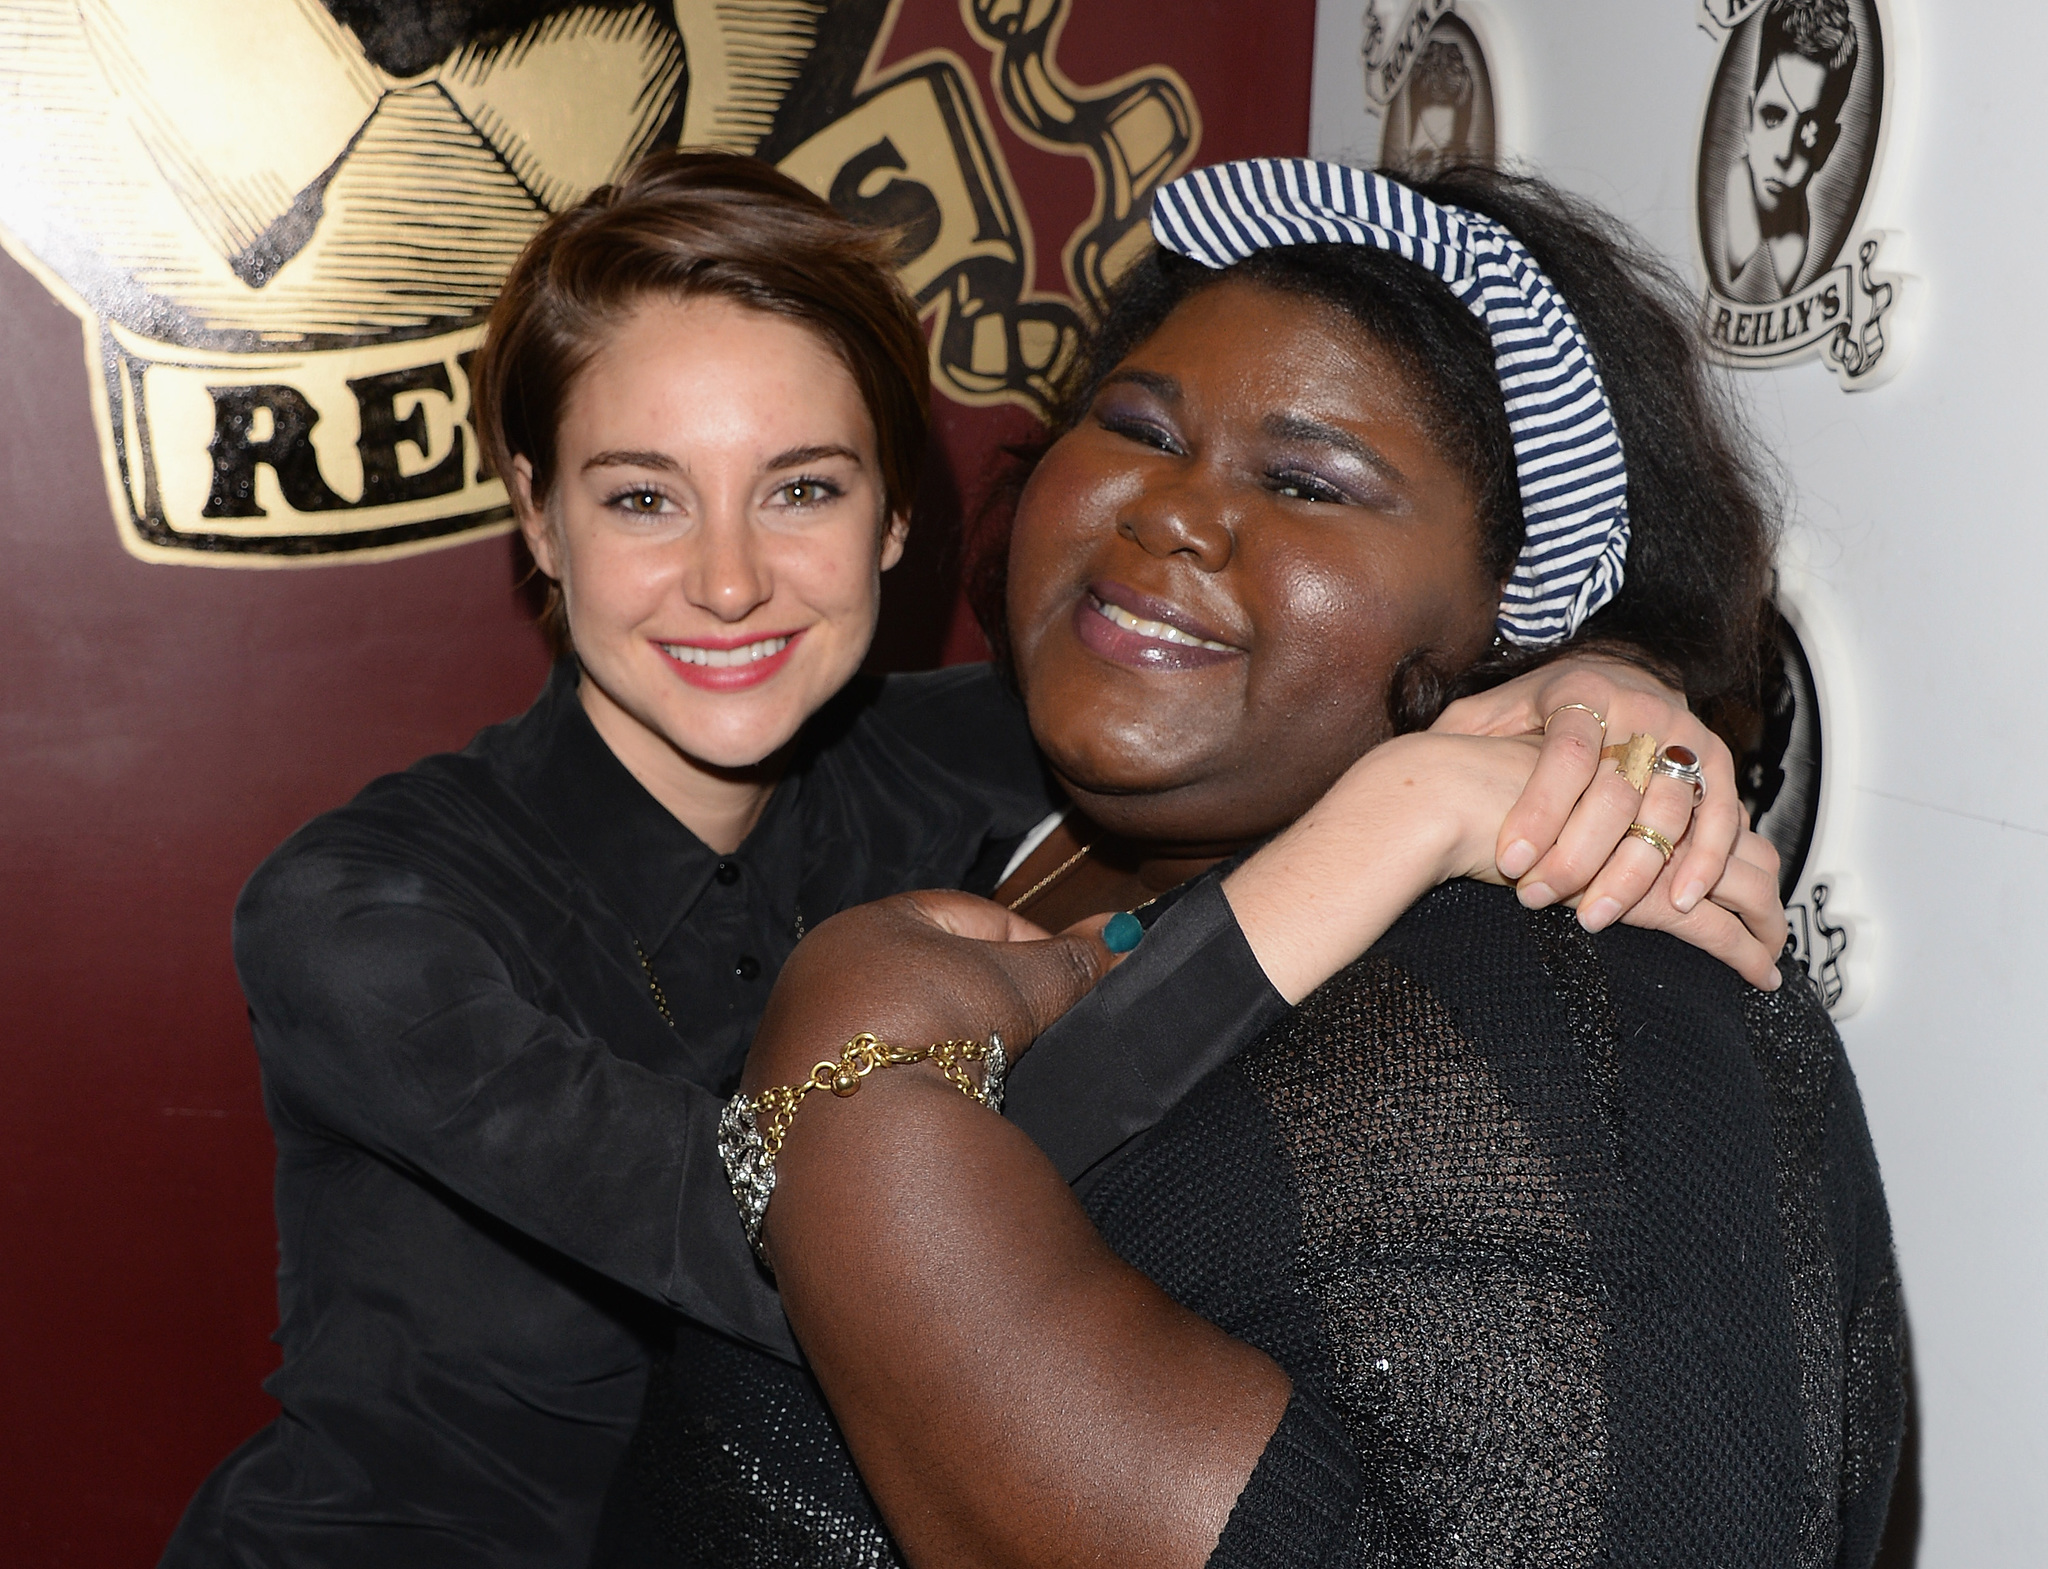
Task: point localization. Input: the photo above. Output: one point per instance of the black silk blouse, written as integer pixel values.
(496, 1172)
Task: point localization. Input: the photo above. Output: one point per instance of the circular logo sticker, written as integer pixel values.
(1788, 149)
(1445, 108)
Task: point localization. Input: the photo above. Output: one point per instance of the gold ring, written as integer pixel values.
(1632, 759)
(1651, 837)
(1582, 708)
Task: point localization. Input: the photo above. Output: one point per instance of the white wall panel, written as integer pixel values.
(1918, 510)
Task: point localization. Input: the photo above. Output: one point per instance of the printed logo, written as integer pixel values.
(1787, 767)
(1442, 106)
(283, 271)
(1788, 148)
(1391, 50)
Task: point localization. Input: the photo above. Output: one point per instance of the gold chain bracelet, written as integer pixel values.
(752, 1127)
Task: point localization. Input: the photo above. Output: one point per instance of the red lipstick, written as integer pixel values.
(710, 663)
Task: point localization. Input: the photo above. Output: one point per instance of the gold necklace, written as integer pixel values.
(654, 987)
(654, 981)
(1050, 878)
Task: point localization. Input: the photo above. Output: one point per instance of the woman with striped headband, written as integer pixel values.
(1510, 1242)
(500, 998)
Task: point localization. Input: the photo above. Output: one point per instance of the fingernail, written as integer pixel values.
(1123, 933)
(1777, 980)
(1517, 858)
(1601, 914)
(1694, 892)
(1536, 896)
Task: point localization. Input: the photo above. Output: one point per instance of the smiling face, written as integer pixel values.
(1214, 575)
(718, 528)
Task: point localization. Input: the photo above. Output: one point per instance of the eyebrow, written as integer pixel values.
(647, 458)
(1299, 427)
(1164, 387)
(797, 457)
(632, 458)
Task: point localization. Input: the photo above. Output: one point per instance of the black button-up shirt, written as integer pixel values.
(496, 1157)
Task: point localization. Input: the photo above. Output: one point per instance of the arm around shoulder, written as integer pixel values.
(387, 1015)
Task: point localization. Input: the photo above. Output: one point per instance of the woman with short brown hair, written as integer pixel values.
(499, 998)
(687, 227)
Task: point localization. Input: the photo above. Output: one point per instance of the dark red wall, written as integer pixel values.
(161, 728)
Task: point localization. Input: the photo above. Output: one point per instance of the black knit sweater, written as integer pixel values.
(1574, 1249)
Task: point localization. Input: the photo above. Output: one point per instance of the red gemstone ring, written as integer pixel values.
(1682, 762)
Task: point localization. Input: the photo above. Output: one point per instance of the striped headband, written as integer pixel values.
(1567, 452)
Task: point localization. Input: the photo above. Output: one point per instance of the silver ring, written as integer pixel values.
(1686, 766)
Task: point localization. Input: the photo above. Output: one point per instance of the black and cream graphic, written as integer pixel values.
(282, 222)
(1444, 109)
(1426, 75)
(1789, 149)
(1790, 755)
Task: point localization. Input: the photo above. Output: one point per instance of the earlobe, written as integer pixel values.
(893, 539)
(533, 522)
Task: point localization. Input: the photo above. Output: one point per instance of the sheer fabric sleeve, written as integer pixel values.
(386, 1015)
(1874, 1335)
(1298, 1509)
(1837, 1230)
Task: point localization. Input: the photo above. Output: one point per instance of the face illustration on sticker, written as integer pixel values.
(1806, 58)
(1789, 142)
(1786, 767)
(1784, 140)
(1775, 736)
(1445, 109)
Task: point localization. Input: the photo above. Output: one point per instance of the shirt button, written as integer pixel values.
(748, 968)
(727, 873)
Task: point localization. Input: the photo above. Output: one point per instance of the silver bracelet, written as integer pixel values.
(995, 1069)
(748, 1166)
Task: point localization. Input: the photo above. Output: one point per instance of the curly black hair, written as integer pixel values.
(1703, 504)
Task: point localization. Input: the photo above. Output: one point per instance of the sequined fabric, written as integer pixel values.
(1850, 1360)
(738, 1465)
(1453, 1281)
(1586, 1249)
(1574, 1248)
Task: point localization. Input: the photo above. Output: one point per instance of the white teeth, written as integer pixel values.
(1157, 629)
(723, 658)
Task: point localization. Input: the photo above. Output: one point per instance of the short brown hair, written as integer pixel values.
(682, 224)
